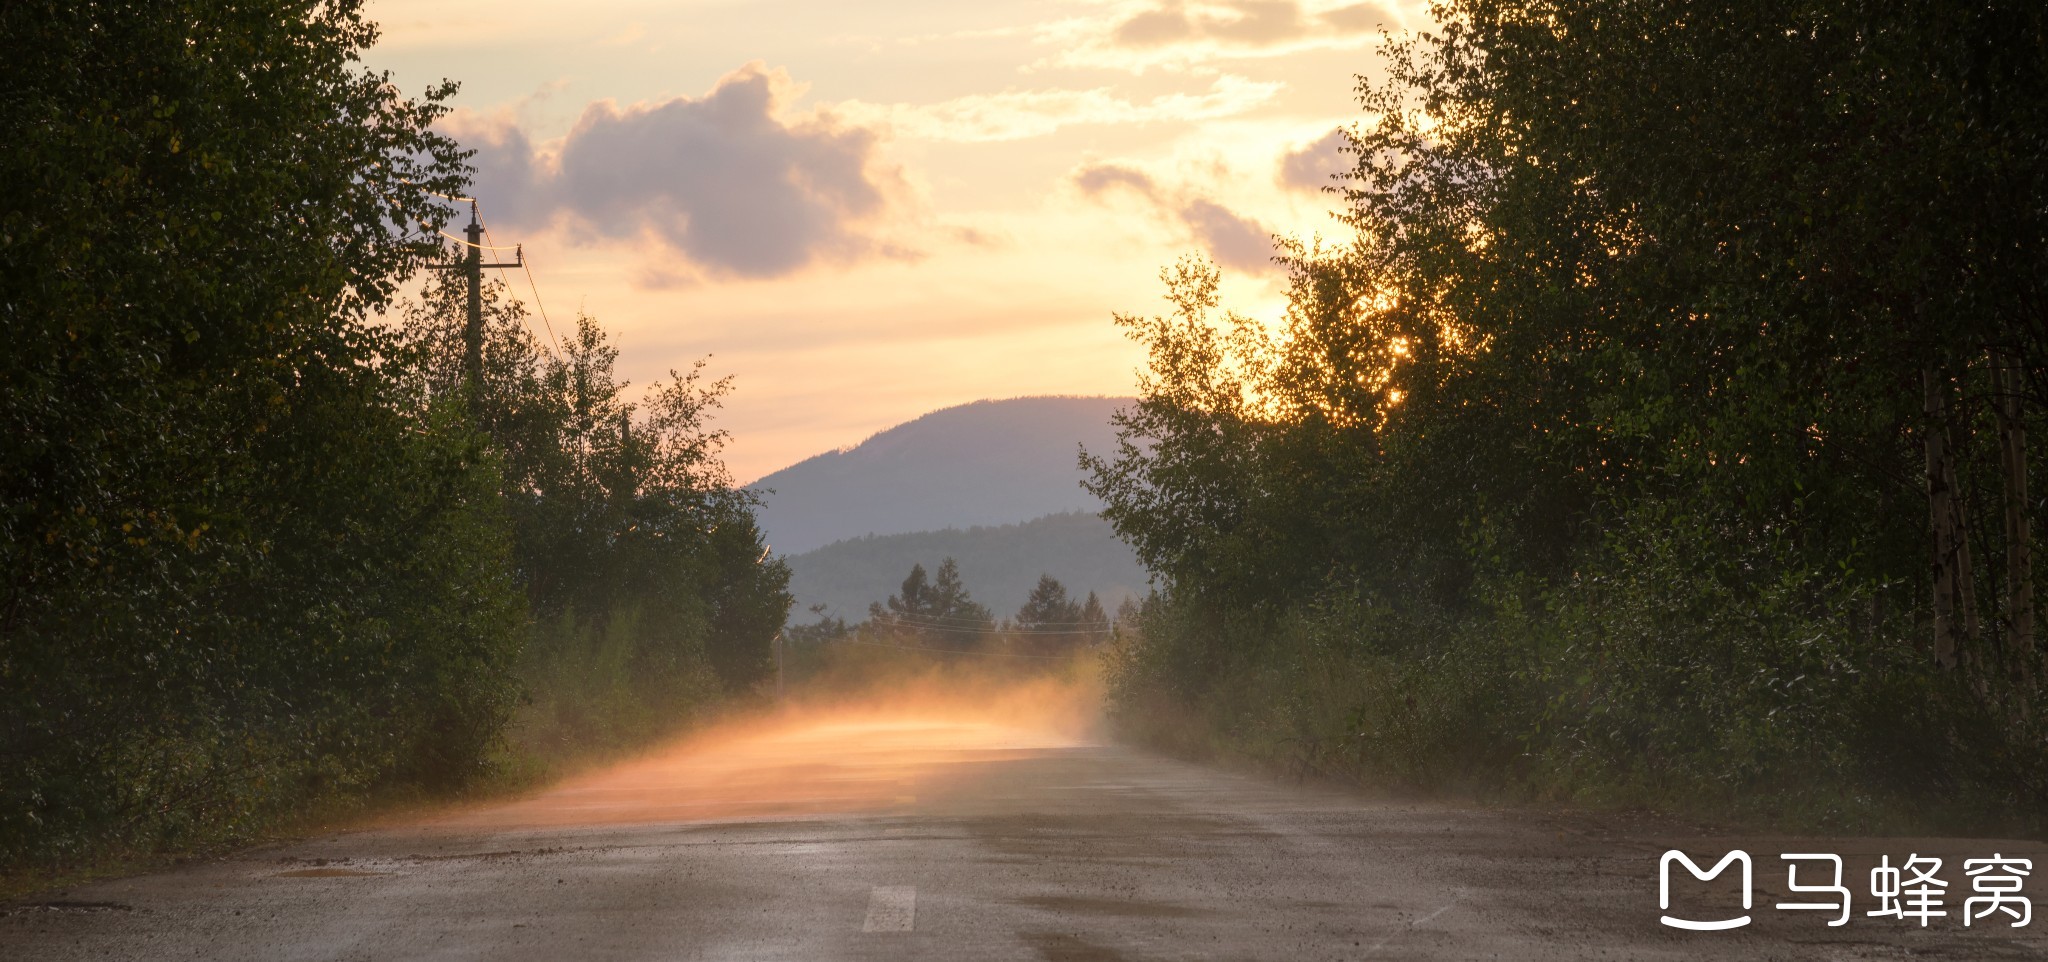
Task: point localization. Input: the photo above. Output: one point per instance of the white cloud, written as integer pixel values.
(1314, 166)
(1138, 35)
(1019, 114)
(1230, 238)
(734, 182)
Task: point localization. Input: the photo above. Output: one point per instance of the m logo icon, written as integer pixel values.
(1664, 888)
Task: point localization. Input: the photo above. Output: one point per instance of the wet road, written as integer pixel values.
(881, 838)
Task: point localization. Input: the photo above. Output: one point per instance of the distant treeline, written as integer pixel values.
(934, 612)
(265, 544)
(1663, 438)
(1004, 562)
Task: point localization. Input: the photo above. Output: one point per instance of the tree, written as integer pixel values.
(622, 511)
(1094, 620)
(241, 569)
(1047, 608)
(1051, 621)
(912, 601)
(937, 610)
(954, 608)
(1655, 308)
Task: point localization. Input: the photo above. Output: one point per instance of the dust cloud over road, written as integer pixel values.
(822, 756)
(953, 819)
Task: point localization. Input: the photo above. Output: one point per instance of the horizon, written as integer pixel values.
(878, 432)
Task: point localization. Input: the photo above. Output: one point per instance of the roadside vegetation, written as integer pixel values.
(933, 618)
(1006, 560)
(1663, 440)
(931, 649)
(267, 549)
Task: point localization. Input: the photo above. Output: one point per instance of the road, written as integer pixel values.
(879, 836)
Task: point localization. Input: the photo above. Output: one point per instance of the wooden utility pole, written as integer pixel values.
(472, 267)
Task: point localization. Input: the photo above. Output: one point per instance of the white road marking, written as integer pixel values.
(1446, 908)
(1404, 930)
(891, 908)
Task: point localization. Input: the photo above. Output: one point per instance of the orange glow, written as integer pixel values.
(871, 754)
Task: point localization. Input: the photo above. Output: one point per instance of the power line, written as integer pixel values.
(528, 268)
(507, 281)
(944, 619)
(937, 623)
(472, 267)
(481, 247)
(1007, 631)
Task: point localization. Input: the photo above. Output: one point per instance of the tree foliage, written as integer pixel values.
(938, 608)
(626, 529)
(1765, 275)
(257, 553)
(239, 567)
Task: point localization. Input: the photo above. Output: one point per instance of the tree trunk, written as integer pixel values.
(1968, 654)
(2008, 385)
(1941, 517)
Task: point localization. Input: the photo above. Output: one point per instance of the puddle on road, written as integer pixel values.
(816, 760)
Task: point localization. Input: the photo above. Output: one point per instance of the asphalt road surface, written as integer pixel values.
(916, 837)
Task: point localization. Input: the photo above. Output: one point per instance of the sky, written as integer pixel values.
(868, 211)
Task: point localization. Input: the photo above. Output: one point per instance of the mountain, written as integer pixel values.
(980, 464)
(998, 564)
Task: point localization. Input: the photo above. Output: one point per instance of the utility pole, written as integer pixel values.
(472, 267)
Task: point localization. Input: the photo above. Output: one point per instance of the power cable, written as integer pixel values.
(465, 242)
(1007, 631)
(1080, 626)
(528, 268)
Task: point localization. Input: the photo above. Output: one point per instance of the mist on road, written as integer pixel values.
(950, 814)
(870, 750)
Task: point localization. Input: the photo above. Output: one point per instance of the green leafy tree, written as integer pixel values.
(1658, 312)
(628, 530)
(242, 570)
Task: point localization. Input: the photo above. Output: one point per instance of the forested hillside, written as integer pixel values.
(268, 546)
(1002, 562)
(1664, 439)
(985, 463)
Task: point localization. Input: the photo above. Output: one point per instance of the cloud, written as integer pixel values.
(1313, 166)
(1151, 28)
(1362, 18)
(1230, 239)
(1257, 22)
(1096, 178)
(1180, 34)
(734, 181)
(1021, 114)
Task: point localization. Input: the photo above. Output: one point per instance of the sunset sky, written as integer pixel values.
(866, 211)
